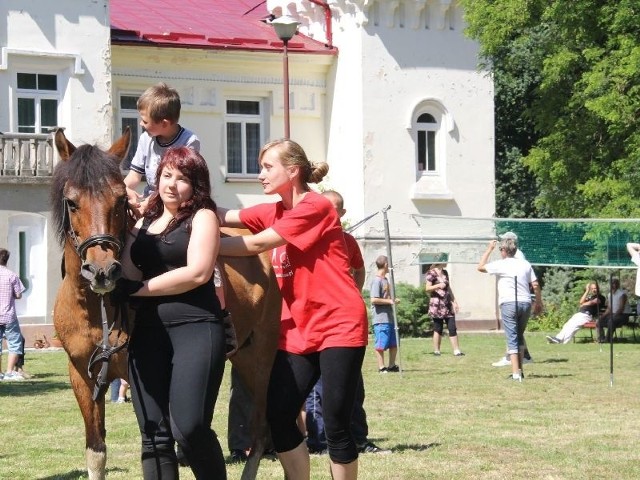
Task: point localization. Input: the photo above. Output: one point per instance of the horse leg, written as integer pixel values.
(245, 363)
(256, 375)
(94, 424)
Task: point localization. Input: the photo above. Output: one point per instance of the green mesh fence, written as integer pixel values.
(597, 243)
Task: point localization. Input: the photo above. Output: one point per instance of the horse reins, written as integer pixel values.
(103, 352)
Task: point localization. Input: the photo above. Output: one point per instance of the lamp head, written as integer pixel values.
(285, 27)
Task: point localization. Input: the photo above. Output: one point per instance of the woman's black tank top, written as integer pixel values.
(154, 256)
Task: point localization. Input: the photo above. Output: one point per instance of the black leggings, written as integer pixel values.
(175, 374)
(292, 378)
(438, 325)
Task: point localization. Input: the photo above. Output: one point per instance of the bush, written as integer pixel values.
(412, 310)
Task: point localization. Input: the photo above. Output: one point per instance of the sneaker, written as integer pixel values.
(516, 377)
(371, 447)
(393, 368)
(527, 360)
(503, 362)
(551, 339)
(238, 456)
(459, 354)
(1, 376)
(437, 353)
(121, 400)
(382, 370)
(12, 377)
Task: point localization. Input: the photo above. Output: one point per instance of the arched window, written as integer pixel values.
(426, 130)
(432, 127)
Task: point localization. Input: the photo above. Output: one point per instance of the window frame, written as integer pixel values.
(129, 114)
(431, 184)
(432, 166)
(37, 95)
(260, 119)
(433, 129)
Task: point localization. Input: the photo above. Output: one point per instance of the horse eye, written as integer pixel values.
(72, 205)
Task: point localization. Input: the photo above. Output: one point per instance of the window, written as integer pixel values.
(129, 118)
(426, 129)
(244, 136)
(431, 128)
(37, 99)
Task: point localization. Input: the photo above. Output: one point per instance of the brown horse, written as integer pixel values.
(89, 205)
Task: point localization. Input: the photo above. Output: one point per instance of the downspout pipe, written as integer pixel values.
(327, 20)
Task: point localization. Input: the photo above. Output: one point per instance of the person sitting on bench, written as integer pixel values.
(591, 302)
(620, 308)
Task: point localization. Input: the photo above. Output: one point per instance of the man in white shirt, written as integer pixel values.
(506, 361)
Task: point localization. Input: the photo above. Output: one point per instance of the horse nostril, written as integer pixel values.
(114, 271)
(88, 271)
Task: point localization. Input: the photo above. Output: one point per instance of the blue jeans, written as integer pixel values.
(514, 323)
(11, 333)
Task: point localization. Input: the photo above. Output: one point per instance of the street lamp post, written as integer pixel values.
(285, 28)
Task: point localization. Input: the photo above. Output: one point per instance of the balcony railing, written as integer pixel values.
(26, 155)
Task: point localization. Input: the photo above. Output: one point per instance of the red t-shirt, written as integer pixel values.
(322, 306)
(353, 251)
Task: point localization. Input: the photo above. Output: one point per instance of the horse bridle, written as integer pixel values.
(103, 351)
(102, 239)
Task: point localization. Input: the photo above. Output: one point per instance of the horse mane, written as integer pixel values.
(88, 169)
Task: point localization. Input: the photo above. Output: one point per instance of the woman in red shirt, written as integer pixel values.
(323, 324)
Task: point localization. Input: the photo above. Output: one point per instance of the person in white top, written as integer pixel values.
(618, 308)
(505, 360)
(515, 278)
(634, 252)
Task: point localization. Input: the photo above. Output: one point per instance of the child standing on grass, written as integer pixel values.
(382, 309)
(159, 108)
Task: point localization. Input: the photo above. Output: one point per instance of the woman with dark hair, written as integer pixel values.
(592, 302)
(177, 347)
(442, 307)
(323, 326)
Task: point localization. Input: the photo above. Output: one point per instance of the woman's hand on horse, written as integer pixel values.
(124, 289)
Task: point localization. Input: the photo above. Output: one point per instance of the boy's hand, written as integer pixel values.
(134, 202)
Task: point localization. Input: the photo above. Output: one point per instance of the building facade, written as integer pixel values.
(387, 92)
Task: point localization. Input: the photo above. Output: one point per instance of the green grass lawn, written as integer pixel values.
(444, 417)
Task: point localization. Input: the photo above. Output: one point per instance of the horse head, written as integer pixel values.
(90, 209)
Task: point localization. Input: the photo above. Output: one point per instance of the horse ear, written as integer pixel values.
(121, 146)
(65, 147)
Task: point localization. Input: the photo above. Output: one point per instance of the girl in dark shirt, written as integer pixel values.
(177, 347)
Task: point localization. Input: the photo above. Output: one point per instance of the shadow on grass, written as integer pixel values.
(31, 387)
(75, 474)
(415, 447)
(553, 360)
(531, 376)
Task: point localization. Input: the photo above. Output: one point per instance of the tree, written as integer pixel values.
(567, 74)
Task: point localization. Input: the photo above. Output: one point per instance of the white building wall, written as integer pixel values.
(71, 40)
(74, 43)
